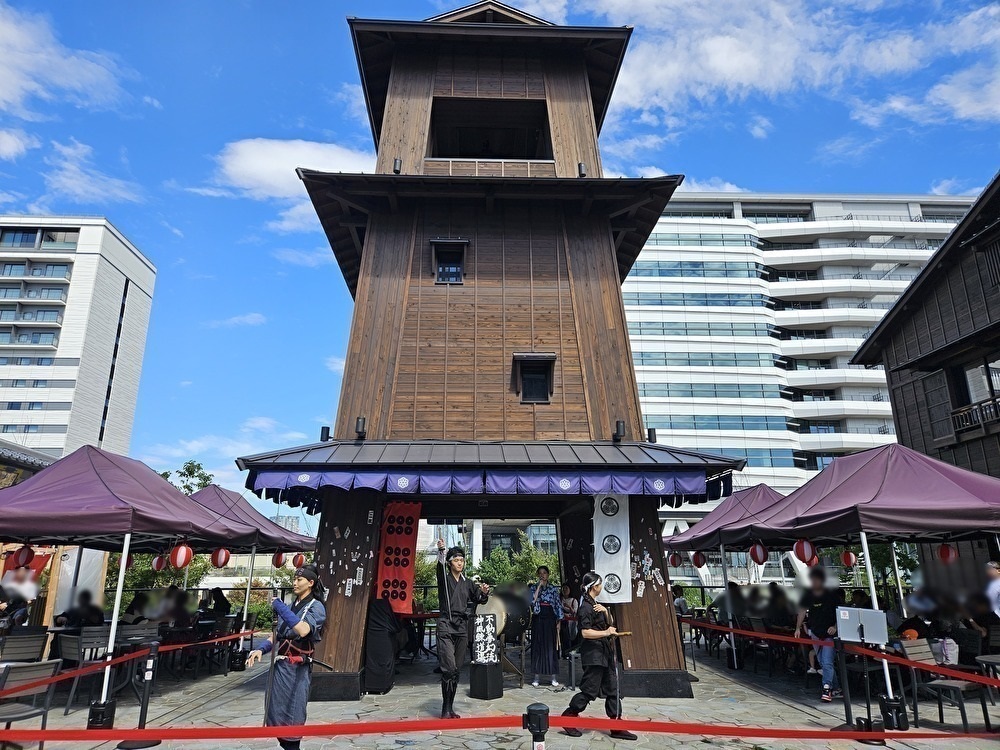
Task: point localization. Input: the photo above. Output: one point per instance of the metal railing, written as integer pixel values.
(976, 415)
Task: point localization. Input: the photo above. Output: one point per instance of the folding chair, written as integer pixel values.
(954, 690)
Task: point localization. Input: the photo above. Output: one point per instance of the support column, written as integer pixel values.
(652, 657)
(476, 548)
(346, 547)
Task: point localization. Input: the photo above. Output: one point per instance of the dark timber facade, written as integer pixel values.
(485, 257)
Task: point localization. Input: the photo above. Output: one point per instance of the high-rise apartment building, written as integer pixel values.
(745, 309)
(75, 298)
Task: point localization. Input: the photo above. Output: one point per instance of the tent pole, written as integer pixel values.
(729, 603)
(246, 599)
(874, 596)
(114, 617)
(899, 582)
(187, 569)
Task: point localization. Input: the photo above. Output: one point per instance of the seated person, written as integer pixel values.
(161, 612)
(220, 604)
(20, 591)
(680, 601)
(779, 612)
(135, 612)
(179, 615)
(861, 599)
(84, 614)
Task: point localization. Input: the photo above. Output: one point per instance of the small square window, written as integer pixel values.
(448, 256)
(533, 375)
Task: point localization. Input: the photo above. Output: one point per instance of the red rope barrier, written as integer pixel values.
(445, 725)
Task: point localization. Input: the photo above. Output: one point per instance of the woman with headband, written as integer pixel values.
(597, 658)
(299, 629)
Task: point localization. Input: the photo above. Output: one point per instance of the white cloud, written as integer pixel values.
(186, 383)
(548, 10)
(309, 259)
(351, 97)
(72, 175)
(628, 148)
(335, 364)
(847, 148)
(299, 217)
(711, 185)
(8, 197)
(36, 67)
(759, 126)
(955, 186)
(15, 143)
(247, 319)
(152, 102)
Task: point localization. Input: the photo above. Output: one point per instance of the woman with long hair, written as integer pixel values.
(547, 611)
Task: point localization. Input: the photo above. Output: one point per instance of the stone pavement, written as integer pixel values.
(720, 696)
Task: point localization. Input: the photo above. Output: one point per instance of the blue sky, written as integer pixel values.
(182, 122)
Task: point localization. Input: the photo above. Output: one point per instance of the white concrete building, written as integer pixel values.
(75, 299)
(744, 310)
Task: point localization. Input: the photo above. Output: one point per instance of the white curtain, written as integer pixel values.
(612, 543)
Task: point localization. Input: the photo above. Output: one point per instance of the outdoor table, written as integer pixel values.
(421, 619)
(129, 669)
(991, 667)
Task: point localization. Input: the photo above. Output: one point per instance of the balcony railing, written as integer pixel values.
(976, 415)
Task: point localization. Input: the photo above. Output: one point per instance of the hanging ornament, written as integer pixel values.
(674, 560)
(159, 563)
(848, 558)
(23, 556)
(129, 561)
(813, 561)
(299, 560)
(220, 558)
(180, 556)
(947, 553)
(758, 553)
(804, 550)
(698, 559)
(278, 559)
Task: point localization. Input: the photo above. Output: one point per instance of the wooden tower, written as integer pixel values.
(485, 257)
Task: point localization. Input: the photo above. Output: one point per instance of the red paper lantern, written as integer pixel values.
(947, 553)
(180, 556)
(129, 561)
(804, 550)
(299, 560)
(23, 556)
(698, 559)
(758, 553)
(813, 561)
(848, 558)
(278, 559)
(159, 563)
(674, 560)
(220, 558)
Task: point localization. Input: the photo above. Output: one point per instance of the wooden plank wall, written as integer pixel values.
(609, 378)
(494, 74)
(407, 119)
(345, 531)
(369, 373)
(655, 640)
(571, 117)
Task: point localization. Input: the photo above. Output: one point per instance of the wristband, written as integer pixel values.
(266, 648)
(287, 616)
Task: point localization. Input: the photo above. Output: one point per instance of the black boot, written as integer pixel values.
(445, 703)
(571, 731)
(452, 689)
(623, 734)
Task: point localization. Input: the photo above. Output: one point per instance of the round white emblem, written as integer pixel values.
(303, 477)
(564, 484)
(659, 484)
(402, 483)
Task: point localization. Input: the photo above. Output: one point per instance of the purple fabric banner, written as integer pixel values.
(467, 482)
(689, 482)
(369, 480)
(501, 482)
(595, 482)
(402, 483)
(342, 479)
(532, 483)
(657, 484)
(626, 483)
(564, 484)
(435, 482)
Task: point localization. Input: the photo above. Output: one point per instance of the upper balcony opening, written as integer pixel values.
(489, 129)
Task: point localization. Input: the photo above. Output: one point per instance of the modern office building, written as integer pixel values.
(75, 298)
(291, 523)
(745, 309)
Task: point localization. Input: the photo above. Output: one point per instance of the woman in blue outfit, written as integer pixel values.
(546, 606)
(299, 629)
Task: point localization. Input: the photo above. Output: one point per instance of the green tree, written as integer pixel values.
(425, 574)
(142, 576)
(506, 567)
(881, 560)
(190, 478)
(260, 601)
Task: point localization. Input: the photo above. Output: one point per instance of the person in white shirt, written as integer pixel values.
(993, 587)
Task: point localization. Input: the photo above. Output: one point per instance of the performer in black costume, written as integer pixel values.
(299, 629)
(456, 597)
(597, 657)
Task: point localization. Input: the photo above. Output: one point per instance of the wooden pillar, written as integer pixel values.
(652, 659)
(345, 546)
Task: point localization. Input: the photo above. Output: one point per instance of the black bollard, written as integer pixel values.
(536, 721)
(147, 686)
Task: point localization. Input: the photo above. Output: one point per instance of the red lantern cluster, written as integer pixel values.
(698, 559)
(758, 553)
(947, 553)
(674, 560)
(220, 558)
(298, 560)
(848, 558)
(180, 556)
(159, 563)
(278, 559)
(23, 556)
(804, 550)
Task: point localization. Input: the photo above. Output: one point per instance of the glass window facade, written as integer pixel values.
(698, 269)
(708, 390)
(717, 422)
(708, 299)
(704, 359)
(685, 328)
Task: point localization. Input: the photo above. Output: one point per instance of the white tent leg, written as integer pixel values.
(114, 617)
(874, 596)
(246, 598)
(899, 582)
(729, 603)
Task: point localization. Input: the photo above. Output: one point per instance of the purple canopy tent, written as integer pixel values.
(105, 501)
(270, 536)
(742, 506)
